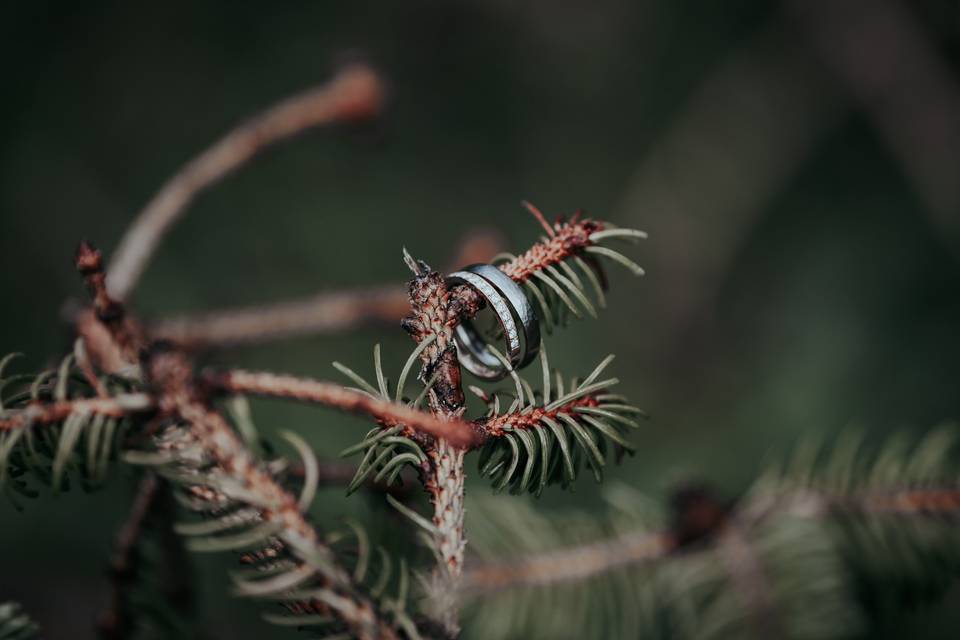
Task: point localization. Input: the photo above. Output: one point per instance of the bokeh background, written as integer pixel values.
(796, 164)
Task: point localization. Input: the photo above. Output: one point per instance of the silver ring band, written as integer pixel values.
(515, 315)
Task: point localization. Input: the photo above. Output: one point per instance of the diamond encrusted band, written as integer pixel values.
(516, 318)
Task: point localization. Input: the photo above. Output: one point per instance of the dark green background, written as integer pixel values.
(823, 298)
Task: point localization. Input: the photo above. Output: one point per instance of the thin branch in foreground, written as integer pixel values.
(334, 395)
(356, 93)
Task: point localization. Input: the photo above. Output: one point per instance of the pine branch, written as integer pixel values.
(271, 511)
(356, 93)
(833, 529)
(561, 271)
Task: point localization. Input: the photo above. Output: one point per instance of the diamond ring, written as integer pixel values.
(515, 315)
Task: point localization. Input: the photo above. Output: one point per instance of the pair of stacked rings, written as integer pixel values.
(515, 314)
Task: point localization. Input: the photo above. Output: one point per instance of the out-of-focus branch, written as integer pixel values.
(117, 621)
(570, 564)
(50, 413)
(323, 313)
(334, 395)
(356, 93)
(327, 312)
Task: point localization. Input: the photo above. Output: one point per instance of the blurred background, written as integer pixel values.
(796, 164)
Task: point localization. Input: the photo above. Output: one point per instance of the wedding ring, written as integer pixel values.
(515, 314)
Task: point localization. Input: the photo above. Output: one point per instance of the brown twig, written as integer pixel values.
(356, 93)
(327, 312)
(565, 565)
(569, 238)
(334, 395)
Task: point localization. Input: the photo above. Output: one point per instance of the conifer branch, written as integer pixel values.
(277, 509)
(355, 93)
(117, 621)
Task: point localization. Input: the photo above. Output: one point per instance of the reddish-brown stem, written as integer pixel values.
(323, 313)
(334, 395)
(494, 427)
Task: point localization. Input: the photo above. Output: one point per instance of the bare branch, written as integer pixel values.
(326, 312)
(570, 564)
(334, 395)
(356, 93)
(568, 238)
(50, 413)
(323, 313)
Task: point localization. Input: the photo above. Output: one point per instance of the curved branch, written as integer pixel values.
(356, 93)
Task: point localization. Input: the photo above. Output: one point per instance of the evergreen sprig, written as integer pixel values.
(545, 437)
(386, 449)
(56, 425)
(563, 271)
(307, 583)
